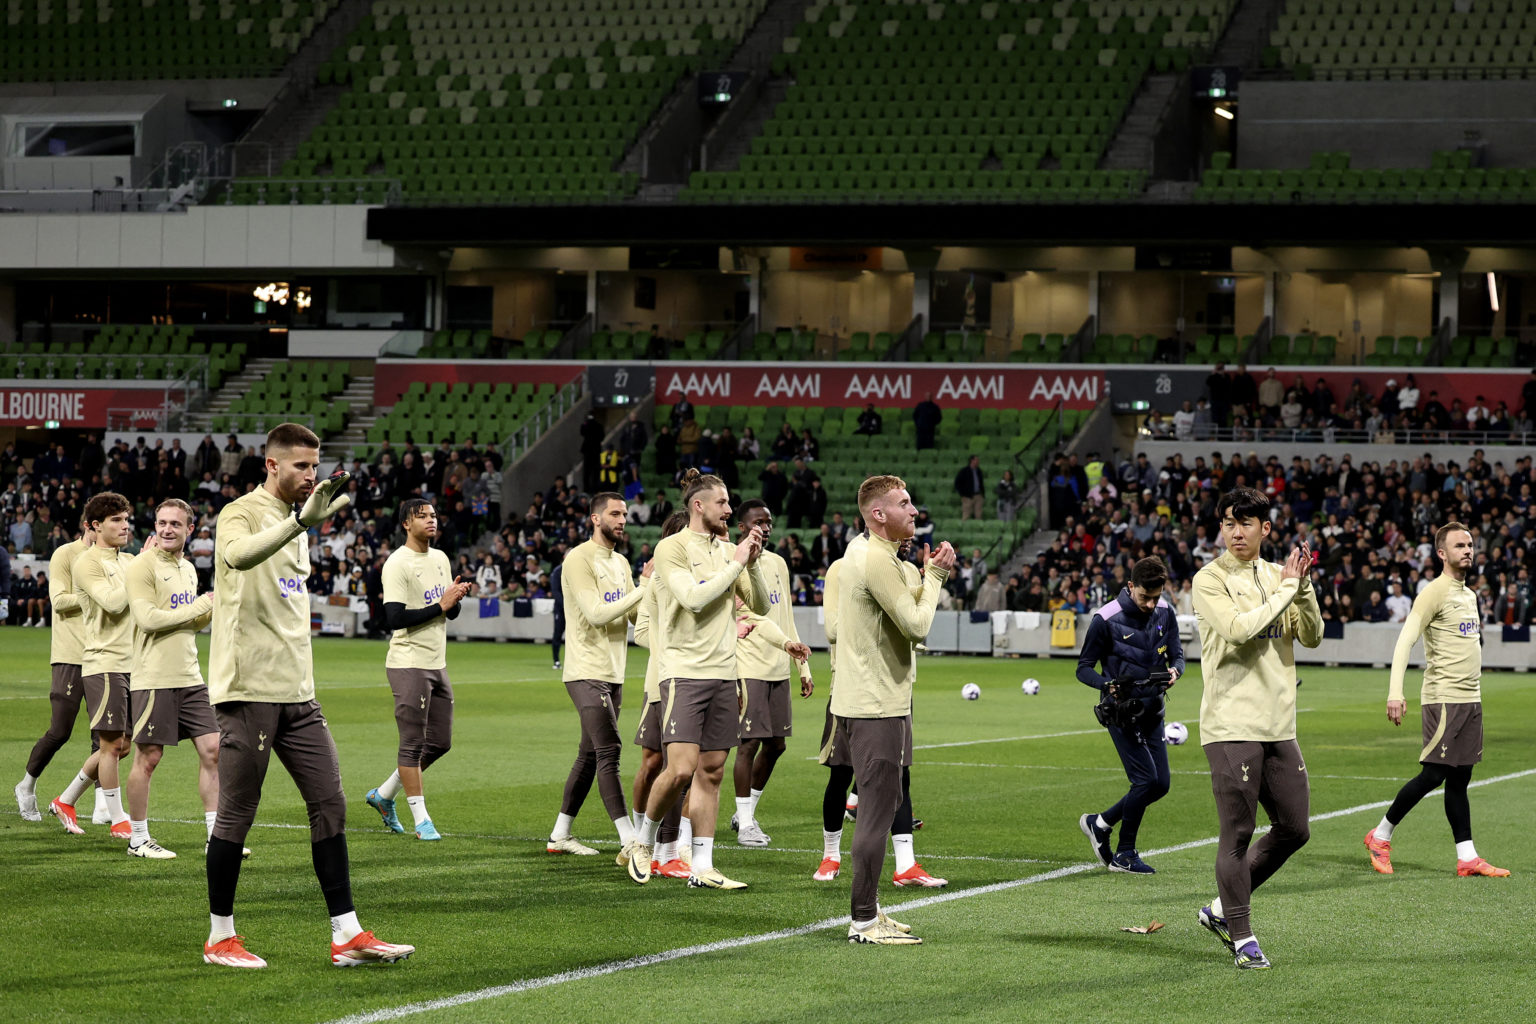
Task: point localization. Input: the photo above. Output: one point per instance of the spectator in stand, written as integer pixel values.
(21, 533)
(633, 437)
(1009, 497)
(488, 576)
(922, 529)
(688, 437)
(1245, 391)
(1511, 608)
(591, 453)
(826, 548)
(1184, 422)
(1292, 410)
(990, 596)
(682, 412)
(1477, 414)
(972, 488)
(870, 421)
(1376, 609)
(1218, 389)
(25, 606)
(810, 448)
(1157, 426)
(1398, 605)
(785, 444)
(775, 487)
(748, 448)
(727, 454)
(666, 451)
(926, 417)
(1271, 394)
(801, 479)
(229, 462)
(1408, 395)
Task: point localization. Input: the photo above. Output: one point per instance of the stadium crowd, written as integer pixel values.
(1371, 525)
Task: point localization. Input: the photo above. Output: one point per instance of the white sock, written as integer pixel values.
(562, 828)
(1466, 851)
(1239, 941)
(685, 832)
(905, 857)
(114, 799)
(140, 832)
(865, 925)
(757, 795)
(832, 845)
(1216, 907)
(648, 830)
(28, 784)
(209, 818)
(1384, 831)
(626, 829)
(418, 806)
(853, 800)
(390, 787)
(1099, 822)
(703, 853)
(75, 789)
(344, 927)
(744, 811)
(666, 852)
(638, 814)
(220, 928)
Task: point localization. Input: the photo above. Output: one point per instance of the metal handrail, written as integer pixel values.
(394, 194)
(1334, 435)
(521, 440)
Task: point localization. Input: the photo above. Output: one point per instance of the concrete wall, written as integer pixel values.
(837, 303)
(1384, 124)
(355, 344)
(253, 238)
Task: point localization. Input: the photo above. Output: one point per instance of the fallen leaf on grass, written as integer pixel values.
(1148, 930)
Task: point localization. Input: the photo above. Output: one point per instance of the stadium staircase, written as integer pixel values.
(218, 406)
(1248, 31)
(301, 107)
(1131, 147)
(361, 415)
(756, 53)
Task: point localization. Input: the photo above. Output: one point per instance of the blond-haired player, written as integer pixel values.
(879, 620)
(167, 697)
(700, 574)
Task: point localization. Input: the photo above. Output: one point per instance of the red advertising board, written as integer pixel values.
(883, 384)
(391, 377)
(119, 404)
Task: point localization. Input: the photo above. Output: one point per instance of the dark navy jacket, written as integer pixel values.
(1129, 642)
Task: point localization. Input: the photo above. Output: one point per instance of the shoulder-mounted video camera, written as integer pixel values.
(1129, 703)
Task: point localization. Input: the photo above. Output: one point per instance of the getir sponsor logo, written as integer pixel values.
(610, 596)
(42, 405)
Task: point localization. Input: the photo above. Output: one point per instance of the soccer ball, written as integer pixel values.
(1031, 687)
(1175, 733)
(970, 691)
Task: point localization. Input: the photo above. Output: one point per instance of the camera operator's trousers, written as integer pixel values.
(1145, 757)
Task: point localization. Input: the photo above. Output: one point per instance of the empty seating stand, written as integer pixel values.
(1450, 178)
(1402, 39)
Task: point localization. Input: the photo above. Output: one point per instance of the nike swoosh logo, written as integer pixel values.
(1127, 636)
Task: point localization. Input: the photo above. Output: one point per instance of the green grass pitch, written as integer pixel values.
(86, 932)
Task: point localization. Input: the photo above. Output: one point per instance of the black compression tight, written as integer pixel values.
(1458, 809)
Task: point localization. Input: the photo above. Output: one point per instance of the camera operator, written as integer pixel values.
(1136, 639)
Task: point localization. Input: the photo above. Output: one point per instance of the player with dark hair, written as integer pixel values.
(1450, 704)
(168, 700)
(764, 658)
(1251, 614)
(674, 840)
(261, 681)
(699, 575)
(64, 656)
(100, 575)
(1133, 637)
(879, 619)
(600, 597)
(420, 595)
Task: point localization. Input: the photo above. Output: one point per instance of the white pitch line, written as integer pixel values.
(1118, 771)
(604, 843)
(665, 956)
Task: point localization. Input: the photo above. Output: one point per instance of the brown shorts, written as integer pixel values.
(834, 744)
(106, 701)
(66, 684)
(587, 694)
(648, 735)
(701, 711)
(166, 717)
(250, 732)
(423, 713)
(875, 739)
(767, 713)
(1453, 734)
